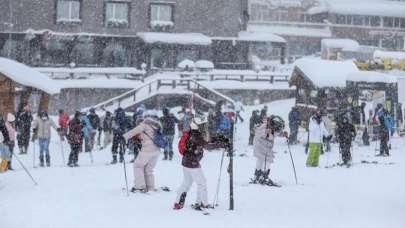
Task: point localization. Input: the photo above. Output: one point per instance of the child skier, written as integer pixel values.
(316, 133)
(263, 149)
(193, 153)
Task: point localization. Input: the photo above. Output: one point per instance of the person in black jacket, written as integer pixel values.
(95, 124)
(121, 125)
(253, 123)
(384, 135)
(107, 129)
(24, 120)
(75, 139)
(294, 123)
(345, 135)
(192, 171)
(168, 121)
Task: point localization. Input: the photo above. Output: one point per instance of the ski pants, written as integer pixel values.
(89, 141)
(238, 116)
(74, 153)
(189, 176)
(313, 154)
(23, 140)
(44, 149)
(144, 166)
(384, 146)
(108, 137)
(117, 143)
(345, 151)
(169, 147)
(293, 134)
(261, 164)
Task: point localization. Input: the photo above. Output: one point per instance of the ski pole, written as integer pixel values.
(215, 202)
(33, 156)
(62, 152)
(25, 169)
(125, 170)
(292, 162)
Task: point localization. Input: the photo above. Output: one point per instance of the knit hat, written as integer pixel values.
(10, 117)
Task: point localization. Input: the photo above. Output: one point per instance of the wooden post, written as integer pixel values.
(44, 102)
(7, 95)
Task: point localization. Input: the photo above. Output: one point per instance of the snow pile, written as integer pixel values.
(291, 30)
(204, 65)
(175, 38)
(371, 77)
(260, 37)
(344, 44)
(186, 64)
(27, 76)
(367, 8)
(326, 73)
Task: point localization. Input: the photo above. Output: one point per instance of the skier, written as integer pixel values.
(42, 131)
(294, 121)
(263, 148)
(147, 158)
(121, 124)
(9, 124)
(316, 133)
(107, 129)
(238, 109)
(95, 126)
(253, 123)
(85, 130)
(263, 113)
(346, 132)
(24, 119)
(135, 143)
(75, 139)
(330, 127)
(5, 155)
(384, 135)
(168, 121)
(63, 124)
(192, 171)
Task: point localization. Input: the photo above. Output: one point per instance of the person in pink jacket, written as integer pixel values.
(147, 158)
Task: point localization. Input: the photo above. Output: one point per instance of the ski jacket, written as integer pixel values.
(75, 135)
(254, 122)
(294, 117)
(94, 121)
(24, 120)
(145, 131)
(64, 120)
(263, 144)
(168, 124)
(43, 127)
(11, 131)
(194, 150)
(121, 123)
(107, 124)
(346, 132)
(316, 131)
(87, 128)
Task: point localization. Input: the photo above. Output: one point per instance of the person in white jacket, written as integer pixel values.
(147, 158)
(317, 131)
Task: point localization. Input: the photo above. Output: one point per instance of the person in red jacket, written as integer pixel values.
(63, 123)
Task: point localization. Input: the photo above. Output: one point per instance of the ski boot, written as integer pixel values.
(170, 156)
(256, 179)
(9, 167)
(140, 190)
(121, 158)
(165, 156)
(114, 161)
(48, 161)
(267, 180)
(41, 161)
(179, 205)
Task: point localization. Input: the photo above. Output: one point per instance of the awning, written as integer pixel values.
(260, 37)
(292, 30)
(27, 76)
(174, 38)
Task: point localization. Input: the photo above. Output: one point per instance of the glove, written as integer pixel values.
(285, 134)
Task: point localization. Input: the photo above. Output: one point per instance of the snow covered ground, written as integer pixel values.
(366, 195)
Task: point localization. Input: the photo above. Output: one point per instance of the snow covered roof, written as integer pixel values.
(326, 73)
(27, 76)
(345, 44)
(371, 76)
(91, 70)
(291, 30)
(397, 55)
(371, 7)
(260, 37)
(175, 38)
(204, 64)
(186, 63)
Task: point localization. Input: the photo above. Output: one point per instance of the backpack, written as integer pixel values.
(182, 142)
(157, 138)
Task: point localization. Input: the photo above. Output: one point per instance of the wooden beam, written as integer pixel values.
(7, 95)
(44, 102)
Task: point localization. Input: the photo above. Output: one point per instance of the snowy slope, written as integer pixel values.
(365, 195)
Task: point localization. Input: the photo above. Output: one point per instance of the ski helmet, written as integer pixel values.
(275, 123)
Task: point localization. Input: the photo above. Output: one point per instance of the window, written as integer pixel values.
(116, 13)
(396, 22)
(349, 19)
(402, 22)
(68, 11)
(375, 21)
(161, 15)
(388, 22)
(358, 20)
(156, 58)
(341, 19)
